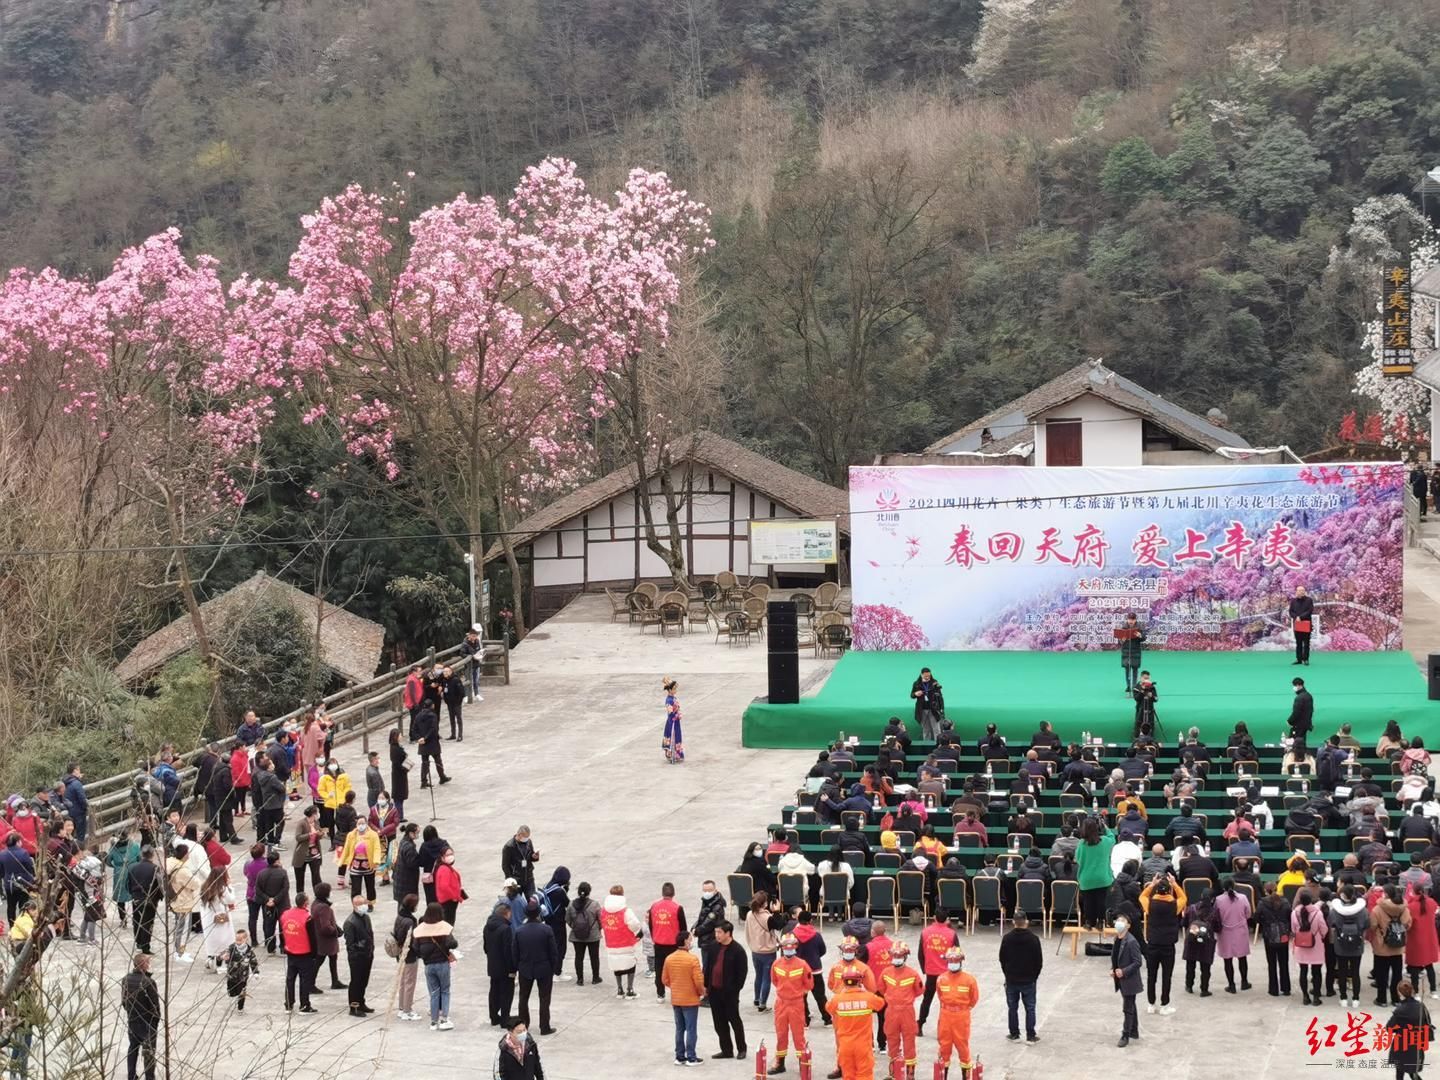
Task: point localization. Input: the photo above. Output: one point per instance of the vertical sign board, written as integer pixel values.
(1397, 353)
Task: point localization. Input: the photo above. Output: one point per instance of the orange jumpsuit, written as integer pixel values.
(958, 993)
(901, 986)
(849, 969)
(854, 1011)
(791, 979)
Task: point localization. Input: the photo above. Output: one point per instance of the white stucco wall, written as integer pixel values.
(1109, 435)
(613, 558)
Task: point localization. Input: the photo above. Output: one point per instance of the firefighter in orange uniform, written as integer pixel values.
(958, 993)
(792, 980)
(849, 966)
(854, 1011)
(901, 985)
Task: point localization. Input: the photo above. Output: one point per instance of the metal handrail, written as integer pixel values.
(114, 792)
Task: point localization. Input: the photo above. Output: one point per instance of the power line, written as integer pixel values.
(636, 527)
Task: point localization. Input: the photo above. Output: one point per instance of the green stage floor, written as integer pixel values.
(1084, 691)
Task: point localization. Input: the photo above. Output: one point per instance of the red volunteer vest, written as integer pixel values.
(293, 932)
(664, 922)
(617, 934)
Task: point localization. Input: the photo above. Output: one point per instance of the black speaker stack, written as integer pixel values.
(782, 634)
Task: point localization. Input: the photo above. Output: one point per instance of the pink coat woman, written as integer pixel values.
(1234, 912)
(312, 744)
(1315, 954)
(1421, 946)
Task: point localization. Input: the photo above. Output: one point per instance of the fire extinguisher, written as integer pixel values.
(942, 1071)
(805, 1064)
(897, 1069)
(760, 1061)
(978, 1072)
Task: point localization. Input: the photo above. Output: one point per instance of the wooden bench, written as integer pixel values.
(1075, 933)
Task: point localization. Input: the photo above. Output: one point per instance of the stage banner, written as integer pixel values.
(1007, 557)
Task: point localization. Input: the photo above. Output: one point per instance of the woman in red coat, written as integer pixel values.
(448, 892)
(240, 776)
(1422, 949)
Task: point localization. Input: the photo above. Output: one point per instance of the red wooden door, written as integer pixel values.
(1062, 442)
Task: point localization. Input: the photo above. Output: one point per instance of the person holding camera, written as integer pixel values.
(1163, 902)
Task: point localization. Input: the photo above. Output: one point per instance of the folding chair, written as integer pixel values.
(952, 895)
(1301, 841)
(911, 885)
(834, 896)
(967, 840)
(986, 893)
(1064, 901)
(853, 819)
(854, 858)
(793, 891)
(1030, 898)
(742, 889)
(1416, 843)
(1198, 885)
(887, 860)
(880, 898)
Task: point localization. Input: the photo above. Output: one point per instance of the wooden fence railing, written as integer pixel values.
(356, 711)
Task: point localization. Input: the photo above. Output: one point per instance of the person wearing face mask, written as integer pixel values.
(359, 858)
(360, 952)
(681, 973)
(331, 791)
(518, 1057)
(384, 822)
(792, 981)
(852, 1009)
(712, 914)
(448, 891)
(958, 993)
(900, 985)
(1125, 963)
(848, 970)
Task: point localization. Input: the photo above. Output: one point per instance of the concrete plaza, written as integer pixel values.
(572, 748)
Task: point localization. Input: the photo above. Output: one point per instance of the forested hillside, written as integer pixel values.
(922, 207)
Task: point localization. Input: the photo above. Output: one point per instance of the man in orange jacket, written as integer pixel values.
(849, 967)
(792, 980)
(958, 993)
(901, 985)
(854, 1009)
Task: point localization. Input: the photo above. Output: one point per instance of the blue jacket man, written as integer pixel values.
(76, 801)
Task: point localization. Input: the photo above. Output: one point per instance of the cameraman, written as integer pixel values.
(1163, 901)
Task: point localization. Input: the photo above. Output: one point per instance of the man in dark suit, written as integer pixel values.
(537, 961)
(1302, 611)
(1302, 713)
(725, 970)
(146, 892)
(1125, 963)
(140, 998)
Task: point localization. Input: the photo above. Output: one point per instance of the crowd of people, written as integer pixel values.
(275, 901)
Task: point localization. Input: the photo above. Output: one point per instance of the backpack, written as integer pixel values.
(1304, 936)
(1348, 932)
(1395, 935)
(585, 922)
(547, 906)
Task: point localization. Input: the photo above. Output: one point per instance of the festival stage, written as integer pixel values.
(1079, 691)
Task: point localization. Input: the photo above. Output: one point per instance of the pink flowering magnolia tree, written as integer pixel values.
(136, 376)
(463, 349)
